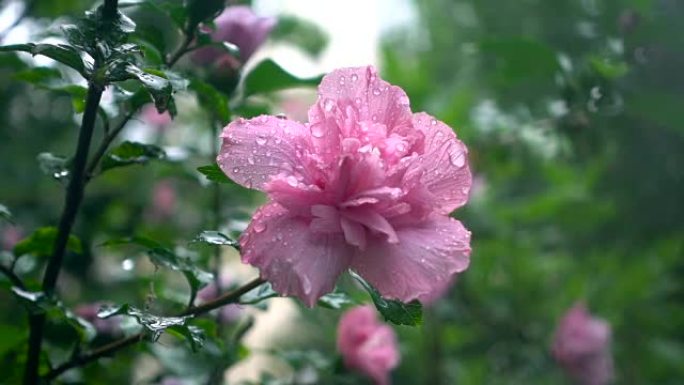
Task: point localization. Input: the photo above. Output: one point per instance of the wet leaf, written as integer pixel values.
(62, 53)
(215, 238)
(129, 153)
(268, 76)
(5, 214)
(159, 88)
(55, 166)
(260, 294)
(156, 325)
(336, 300)
(211, 99)
(41, 243)
(214, 174)
(396, 312)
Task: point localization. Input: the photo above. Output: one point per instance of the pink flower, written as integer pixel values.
(582, 347)
(229, 313)
(163, 199)
(367, 346)
(240, 26)
(151, 116)
(109, 326)
(365, 185)
(11, 235)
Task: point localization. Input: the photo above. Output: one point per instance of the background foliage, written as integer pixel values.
(570, 109)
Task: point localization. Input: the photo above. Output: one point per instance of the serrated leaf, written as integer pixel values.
(41, 243)
(214, 238)
(214, 174)
(212, 99)
(5, 214)
(39, 303)
(62, 53)
(268, 76)
(258, 295)
(129, 153)
(336, 300)
(162, 256)
(157, 325)
(55, 166)
(397, 312)
(159, 88)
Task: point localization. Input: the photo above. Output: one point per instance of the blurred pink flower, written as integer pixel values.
(238, 25)
(11, 235)
(109, 326)
(164, 198)
(229, 313)
(367, 345)
(366, 185)
(151, 116)
(582, 347)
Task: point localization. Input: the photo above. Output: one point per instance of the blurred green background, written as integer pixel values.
(573, 111)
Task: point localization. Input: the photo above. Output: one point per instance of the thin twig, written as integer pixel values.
(110, 349)
(16, 281)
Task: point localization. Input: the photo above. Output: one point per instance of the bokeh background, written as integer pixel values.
(573, 111)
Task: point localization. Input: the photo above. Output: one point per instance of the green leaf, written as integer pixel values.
(5, 214)
(608, 68)
(397, 312)
(129, 153)
(336, 300)
(159, 88)
(262, 293)
(215, 238)
(162, 256)
(38, 75)
(62, 53)
(42, 241)
(201, 10)
(39, 303)
(214, 174)
(212, 99)
(156, 325)
(268, 76)
(12, 337)
(54, 166)
(301, 33)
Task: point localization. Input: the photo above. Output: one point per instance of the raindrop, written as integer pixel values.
(354, 77)
(261, 140)
(358, 100)
(328, 105)
(401, 147)
(433, 122)
(236, 170)
(250, 160)
(376, 92)
(128, 264)
(281, 116)
(341, 80)
(292, 181)
(318, 131)
(277, 140)
(306, 285)
(259, 227)
(457, 157)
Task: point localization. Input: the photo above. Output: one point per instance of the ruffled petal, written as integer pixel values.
(420, 264)
(446, 172)
(296, 261)
(257, 149)
(374, 99)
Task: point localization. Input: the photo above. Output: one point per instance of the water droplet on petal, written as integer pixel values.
(261, 140)
(376, 92)
(236, 169)
(292, 181)
(250, 160)
(317, 131)
(354, 77)
(341, 80)
(306, 285)
(259, 227)
(328, 105)
(278, 140)
(358, 100)
(457, 157)
(433, 122)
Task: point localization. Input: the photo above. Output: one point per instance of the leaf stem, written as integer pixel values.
(109, 349)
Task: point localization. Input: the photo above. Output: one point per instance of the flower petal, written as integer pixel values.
(444, 162)
(255, 150)
(295, 260)
(427, 256)
(360, 87)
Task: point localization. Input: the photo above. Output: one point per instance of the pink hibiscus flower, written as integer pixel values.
(366, 185)
(367, 346)
(582, 347)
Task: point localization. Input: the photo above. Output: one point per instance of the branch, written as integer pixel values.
(110, 10)
(16, 281)
(110, 349)
(182, 49)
